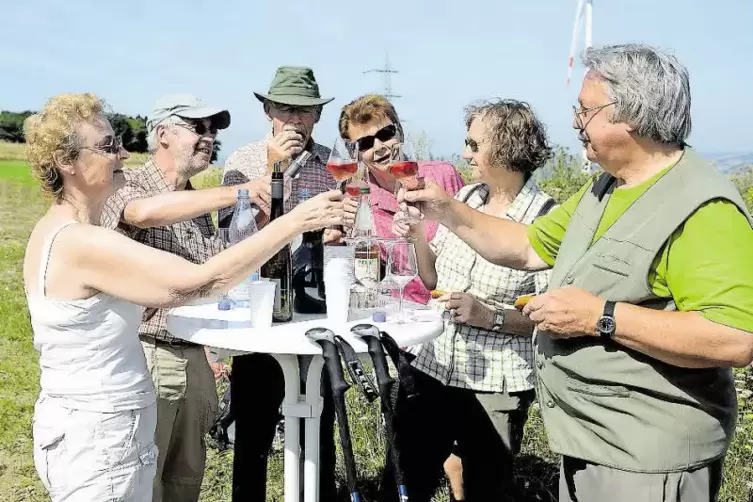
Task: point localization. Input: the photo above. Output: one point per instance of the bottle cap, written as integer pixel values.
(243, 192)
(364, 189)
(379, 316)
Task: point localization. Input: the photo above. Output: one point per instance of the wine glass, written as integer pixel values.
(404, 167)
(343, 162)
(402, 267)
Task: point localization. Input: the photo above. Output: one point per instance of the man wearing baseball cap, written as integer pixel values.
(158, 206)
(293, 106)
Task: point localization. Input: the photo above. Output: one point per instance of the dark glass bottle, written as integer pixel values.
(279, 268)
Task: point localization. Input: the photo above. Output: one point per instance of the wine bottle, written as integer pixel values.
(279, 268)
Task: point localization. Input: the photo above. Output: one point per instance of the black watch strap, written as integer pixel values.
(607, 324)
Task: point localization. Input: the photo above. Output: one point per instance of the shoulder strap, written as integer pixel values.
(471, 192)
(546, 207)
(46, 257)
(603, 185)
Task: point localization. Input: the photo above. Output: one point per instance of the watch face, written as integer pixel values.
(606, 325)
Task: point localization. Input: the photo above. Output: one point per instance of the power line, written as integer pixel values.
(387, 71)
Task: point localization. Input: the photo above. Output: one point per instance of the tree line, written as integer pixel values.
(131, 129)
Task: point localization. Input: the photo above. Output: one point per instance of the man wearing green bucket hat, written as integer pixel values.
(293, 106)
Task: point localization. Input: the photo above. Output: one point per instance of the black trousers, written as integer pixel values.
(488, 430)
(257, 391)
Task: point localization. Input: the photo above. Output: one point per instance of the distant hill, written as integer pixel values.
(729, 163)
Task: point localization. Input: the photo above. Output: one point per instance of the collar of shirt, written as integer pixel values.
(156, 178)
(519, 206)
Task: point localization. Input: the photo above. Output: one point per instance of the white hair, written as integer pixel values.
(650, 87)
(152, 143)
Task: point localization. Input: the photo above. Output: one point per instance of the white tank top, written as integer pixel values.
(90, 355)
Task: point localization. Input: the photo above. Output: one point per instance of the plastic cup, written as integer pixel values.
(337, 283)
(261, 295)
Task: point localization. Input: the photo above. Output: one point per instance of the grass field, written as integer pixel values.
(20, 207)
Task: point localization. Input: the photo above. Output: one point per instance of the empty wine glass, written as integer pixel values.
(402, 268)
(343, 162)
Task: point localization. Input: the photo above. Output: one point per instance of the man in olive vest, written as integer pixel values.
(650, 302)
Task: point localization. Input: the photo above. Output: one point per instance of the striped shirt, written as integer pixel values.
(466, 356)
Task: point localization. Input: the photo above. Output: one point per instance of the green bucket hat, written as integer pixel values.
(294, 85)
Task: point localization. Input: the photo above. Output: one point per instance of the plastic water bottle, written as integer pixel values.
(242, 226)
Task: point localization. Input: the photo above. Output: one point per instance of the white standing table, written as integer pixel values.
(205, 324)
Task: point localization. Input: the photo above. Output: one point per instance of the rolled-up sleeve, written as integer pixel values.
(112, 213)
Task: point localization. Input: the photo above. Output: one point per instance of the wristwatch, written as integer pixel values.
(498, 320)
(606, 323)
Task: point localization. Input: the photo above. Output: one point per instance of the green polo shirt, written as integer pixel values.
(706, 265)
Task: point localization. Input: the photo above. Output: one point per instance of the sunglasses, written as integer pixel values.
(384, 134)
(113, 146)
(472, 144)
(199, 127)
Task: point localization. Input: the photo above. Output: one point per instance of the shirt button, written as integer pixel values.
(550, 404)
(569, 279)
(539, 364)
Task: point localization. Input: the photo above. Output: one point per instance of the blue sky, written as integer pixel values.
(447, 53)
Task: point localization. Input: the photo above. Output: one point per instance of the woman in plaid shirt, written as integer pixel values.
(475, 381)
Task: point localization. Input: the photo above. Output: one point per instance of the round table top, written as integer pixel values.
(205, 324)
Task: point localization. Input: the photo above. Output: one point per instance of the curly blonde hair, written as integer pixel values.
(366, 108)
(51, 137)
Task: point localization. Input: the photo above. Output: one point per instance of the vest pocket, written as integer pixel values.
(610, 263)
(595, 390)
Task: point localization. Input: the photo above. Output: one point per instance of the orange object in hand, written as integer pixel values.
(436, 293)
(521, 301)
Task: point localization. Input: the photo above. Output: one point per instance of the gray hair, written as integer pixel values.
(650, 87)
(151, 140)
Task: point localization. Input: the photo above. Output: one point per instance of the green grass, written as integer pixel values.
(21, 206)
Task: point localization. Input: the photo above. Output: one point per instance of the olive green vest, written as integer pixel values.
(608, 404)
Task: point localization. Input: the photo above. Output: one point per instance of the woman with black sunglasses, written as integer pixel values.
(372, 123)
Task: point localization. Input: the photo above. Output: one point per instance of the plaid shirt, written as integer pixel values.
(193, 239)
(250, 162)
(465, 356)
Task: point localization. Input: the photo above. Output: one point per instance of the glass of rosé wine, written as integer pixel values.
(404, 167)
(342, 163)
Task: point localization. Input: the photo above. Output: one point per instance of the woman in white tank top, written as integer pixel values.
(95, 417)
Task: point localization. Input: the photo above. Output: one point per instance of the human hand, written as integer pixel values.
(328, 209)
(259, 190)
(431, 200)
(565, 312)
(467, 309)
(284, 146)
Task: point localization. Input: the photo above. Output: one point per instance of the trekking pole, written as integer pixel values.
(325, 338)
(371, 336)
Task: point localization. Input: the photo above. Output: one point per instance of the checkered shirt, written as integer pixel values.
(465, 356)
(250, 162)
(193, 239)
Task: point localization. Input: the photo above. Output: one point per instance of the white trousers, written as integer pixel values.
(85, 456)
